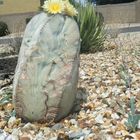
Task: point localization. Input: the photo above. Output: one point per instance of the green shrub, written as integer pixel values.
(3, 29)
(28, 20)
(91, 28)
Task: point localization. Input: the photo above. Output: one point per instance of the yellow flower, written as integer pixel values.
(53, 6)
(69, 9)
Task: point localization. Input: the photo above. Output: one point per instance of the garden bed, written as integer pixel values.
(106, 100)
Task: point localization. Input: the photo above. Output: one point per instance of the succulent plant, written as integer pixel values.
(133, 118)
(46, 77)
(91, 26)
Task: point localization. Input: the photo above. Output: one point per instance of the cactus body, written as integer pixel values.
(45, 82)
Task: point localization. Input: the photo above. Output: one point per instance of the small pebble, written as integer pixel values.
(57, 126)
(99, 119)
(74, 122)
(77, 134)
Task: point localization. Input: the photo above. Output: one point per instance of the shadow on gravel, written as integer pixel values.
(7, 69)
(81, 97)
(8, 64)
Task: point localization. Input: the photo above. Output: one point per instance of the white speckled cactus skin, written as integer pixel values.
(46, 77)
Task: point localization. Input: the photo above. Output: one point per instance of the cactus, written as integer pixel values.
(45, 82)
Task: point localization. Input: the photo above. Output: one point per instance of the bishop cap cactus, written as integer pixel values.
(46, 76)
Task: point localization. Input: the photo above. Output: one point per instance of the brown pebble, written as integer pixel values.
(24, 138)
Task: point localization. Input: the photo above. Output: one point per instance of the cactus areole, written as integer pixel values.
(46, 76)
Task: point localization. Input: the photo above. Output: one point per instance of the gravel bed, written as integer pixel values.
(107, 81)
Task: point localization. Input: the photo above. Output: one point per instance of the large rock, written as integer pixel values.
(45, 82)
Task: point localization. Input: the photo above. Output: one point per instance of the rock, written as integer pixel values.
(1, 131)
(115, 116)
(25, 138)
(97, 79)
(6, 136)
(105, 95)
(14, 137)
(9, 137)
(15, 134)
(90, 136)
(82, 75)
(6, 50)
(86, 131)
(53, 138)
(3, 135)
(99, 119)
(77, 134)
(11, 121)
(73, 122)
(81, 138)
(139, 124)
(57, 126)
(46, 130)
(104, 136)
(62, 136)
(39, 136)
(9, 107)
(28, 127)
(45, 82)
(2, 124)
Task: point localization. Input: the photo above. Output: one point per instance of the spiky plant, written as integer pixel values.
(91, 27)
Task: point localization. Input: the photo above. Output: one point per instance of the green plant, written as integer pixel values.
(6, 97)
(8, 115)
(3, 29)
(28, 20)
(124, 74)
(91, 27)
(133, 118)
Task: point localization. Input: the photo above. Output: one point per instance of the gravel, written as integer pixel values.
(103, 97)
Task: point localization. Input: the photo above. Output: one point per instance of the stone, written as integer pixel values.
(86, 131)
(6, 50)
(39, 136)
(53, 138)
(24, 138)
(46, 76)
(138, 124)
(12, 121)
(73, 122)
(99, 119)
(46, 130)
(115, 116)
(3, 135)
(77, 134)
(57, 126)
(27, 127)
